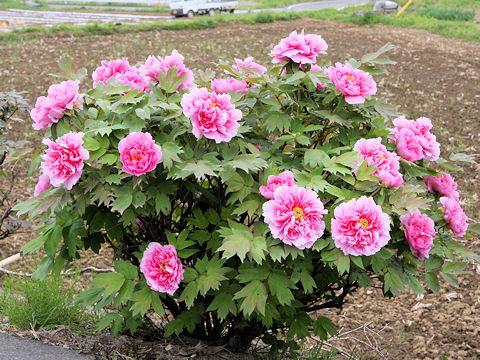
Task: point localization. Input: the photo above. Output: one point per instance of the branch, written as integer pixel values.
(64, 273)
(10, 260)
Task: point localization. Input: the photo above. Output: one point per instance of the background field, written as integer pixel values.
(434, 76)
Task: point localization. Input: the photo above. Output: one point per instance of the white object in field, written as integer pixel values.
(10, 260)
(198, 7)
(385, 6)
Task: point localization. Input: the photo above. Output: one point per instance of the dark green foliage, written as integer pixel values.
(454, 14)
(240, 282)
(264, 17)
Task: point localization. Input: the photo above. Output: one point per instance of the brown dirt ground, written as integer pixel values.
(434, 76)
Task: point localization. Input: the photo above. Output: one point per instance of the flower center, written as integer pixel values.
(350, 78)
(298, 213)
(213, 104)
(136, 156)
(163, 266)
(363, 223)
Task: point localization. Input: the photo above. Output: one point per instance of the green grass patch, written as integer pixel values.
(454, 14)
(18, 4)
(40, 304)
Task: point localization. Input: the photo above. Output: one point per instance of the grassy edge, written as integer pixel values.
(455, 29)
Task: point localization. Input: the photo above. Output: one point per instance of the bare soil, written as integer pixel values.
(434, 76)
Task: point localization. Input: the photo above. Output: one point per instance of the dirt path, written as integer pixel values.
(435, 77)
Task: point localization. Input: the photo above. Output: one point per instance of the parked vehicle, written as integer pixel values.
(385, 6)
(191, 8)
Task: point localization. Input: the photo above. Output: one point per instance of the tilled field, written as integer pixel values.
(434, 76)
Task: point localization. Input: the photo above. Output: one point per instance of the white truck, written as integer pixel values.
(191, 8)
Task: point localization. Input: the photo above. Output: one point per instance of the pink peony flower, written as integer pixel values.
(133, 78)
(162, 268)
(295, 216)
(43, 184)
(109, 69)
(212, 115)
(285, 178)
(139, 154)
(444, 184)
(354, 84)
(387, 163)
(249, 67)
(414, 140)
(359, 227)
(419, 231)
(51, 108)
(455, 216)
(316, 68)
(299, 48)
(155, 65)
(224, 86)
(63, 160)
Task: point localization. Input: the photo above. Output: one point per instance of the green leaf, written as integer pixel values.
(90, 143)
(200, 169)
(33, 245)
(314, 157)
(138, 199)
(43, 269)
(110, 282)
(432, 281)
(277, 121)
(237, 240)
(277, 253)
(433, 263)
(258, 249)
(280, 285)
(349, 159)
(53, 239)
(308, 282)
(296, 77)
(212, 277)
(392, 281)
(126, 268)
(107, 320)
(125, 293)
(254, 297)
(142, 301)
(371, 57)
(189, 294)
(124, 199)
(300, 325)
(162, 204)
(323, 327)
(108, 159)
(312, 180)
(223, 303)
(343, 264)
(248, 162)
(365, 173)
(454, 268)
(249, 206)
(170, 152)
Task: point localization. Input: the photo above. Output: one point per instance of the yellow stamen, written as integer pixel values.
(298, 213)
(214, 104)
(163, 266)
(363, 223)
(137, 157)
(350, 77)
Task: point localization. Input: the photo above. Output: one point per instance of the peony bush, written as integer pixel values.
(248, 199)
